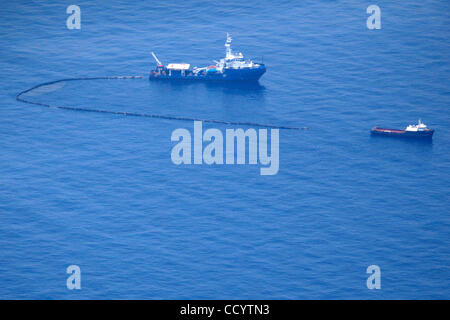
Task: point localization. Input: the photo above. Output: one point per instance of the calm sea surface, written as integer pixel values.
(100, 191)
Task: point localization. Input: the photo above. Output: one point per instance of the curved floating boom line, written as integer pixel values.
(134, 114)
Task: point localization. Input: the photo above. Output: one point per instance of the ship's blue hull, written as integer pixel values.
(250, 74)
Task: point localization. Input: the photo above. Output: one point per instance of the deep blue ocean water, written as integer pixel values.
(100, 191)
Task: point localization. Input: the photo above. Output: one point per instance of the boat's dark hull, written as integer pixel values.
(426, 134)
(252, 74)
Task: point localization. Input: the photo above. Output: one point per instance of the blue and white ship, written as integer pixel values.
(231, 68)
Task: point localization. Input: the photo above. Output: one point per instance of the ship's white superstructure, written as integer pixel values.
(416, 127)
(233, 60)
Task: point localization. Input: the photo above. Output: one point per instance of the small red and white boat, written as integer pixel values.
(419, 130)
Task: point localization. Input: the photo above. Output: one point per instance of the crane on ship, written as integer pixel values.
(157, 60)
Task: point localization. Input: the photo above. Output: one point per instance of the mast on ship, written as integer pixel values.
(228, 53)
